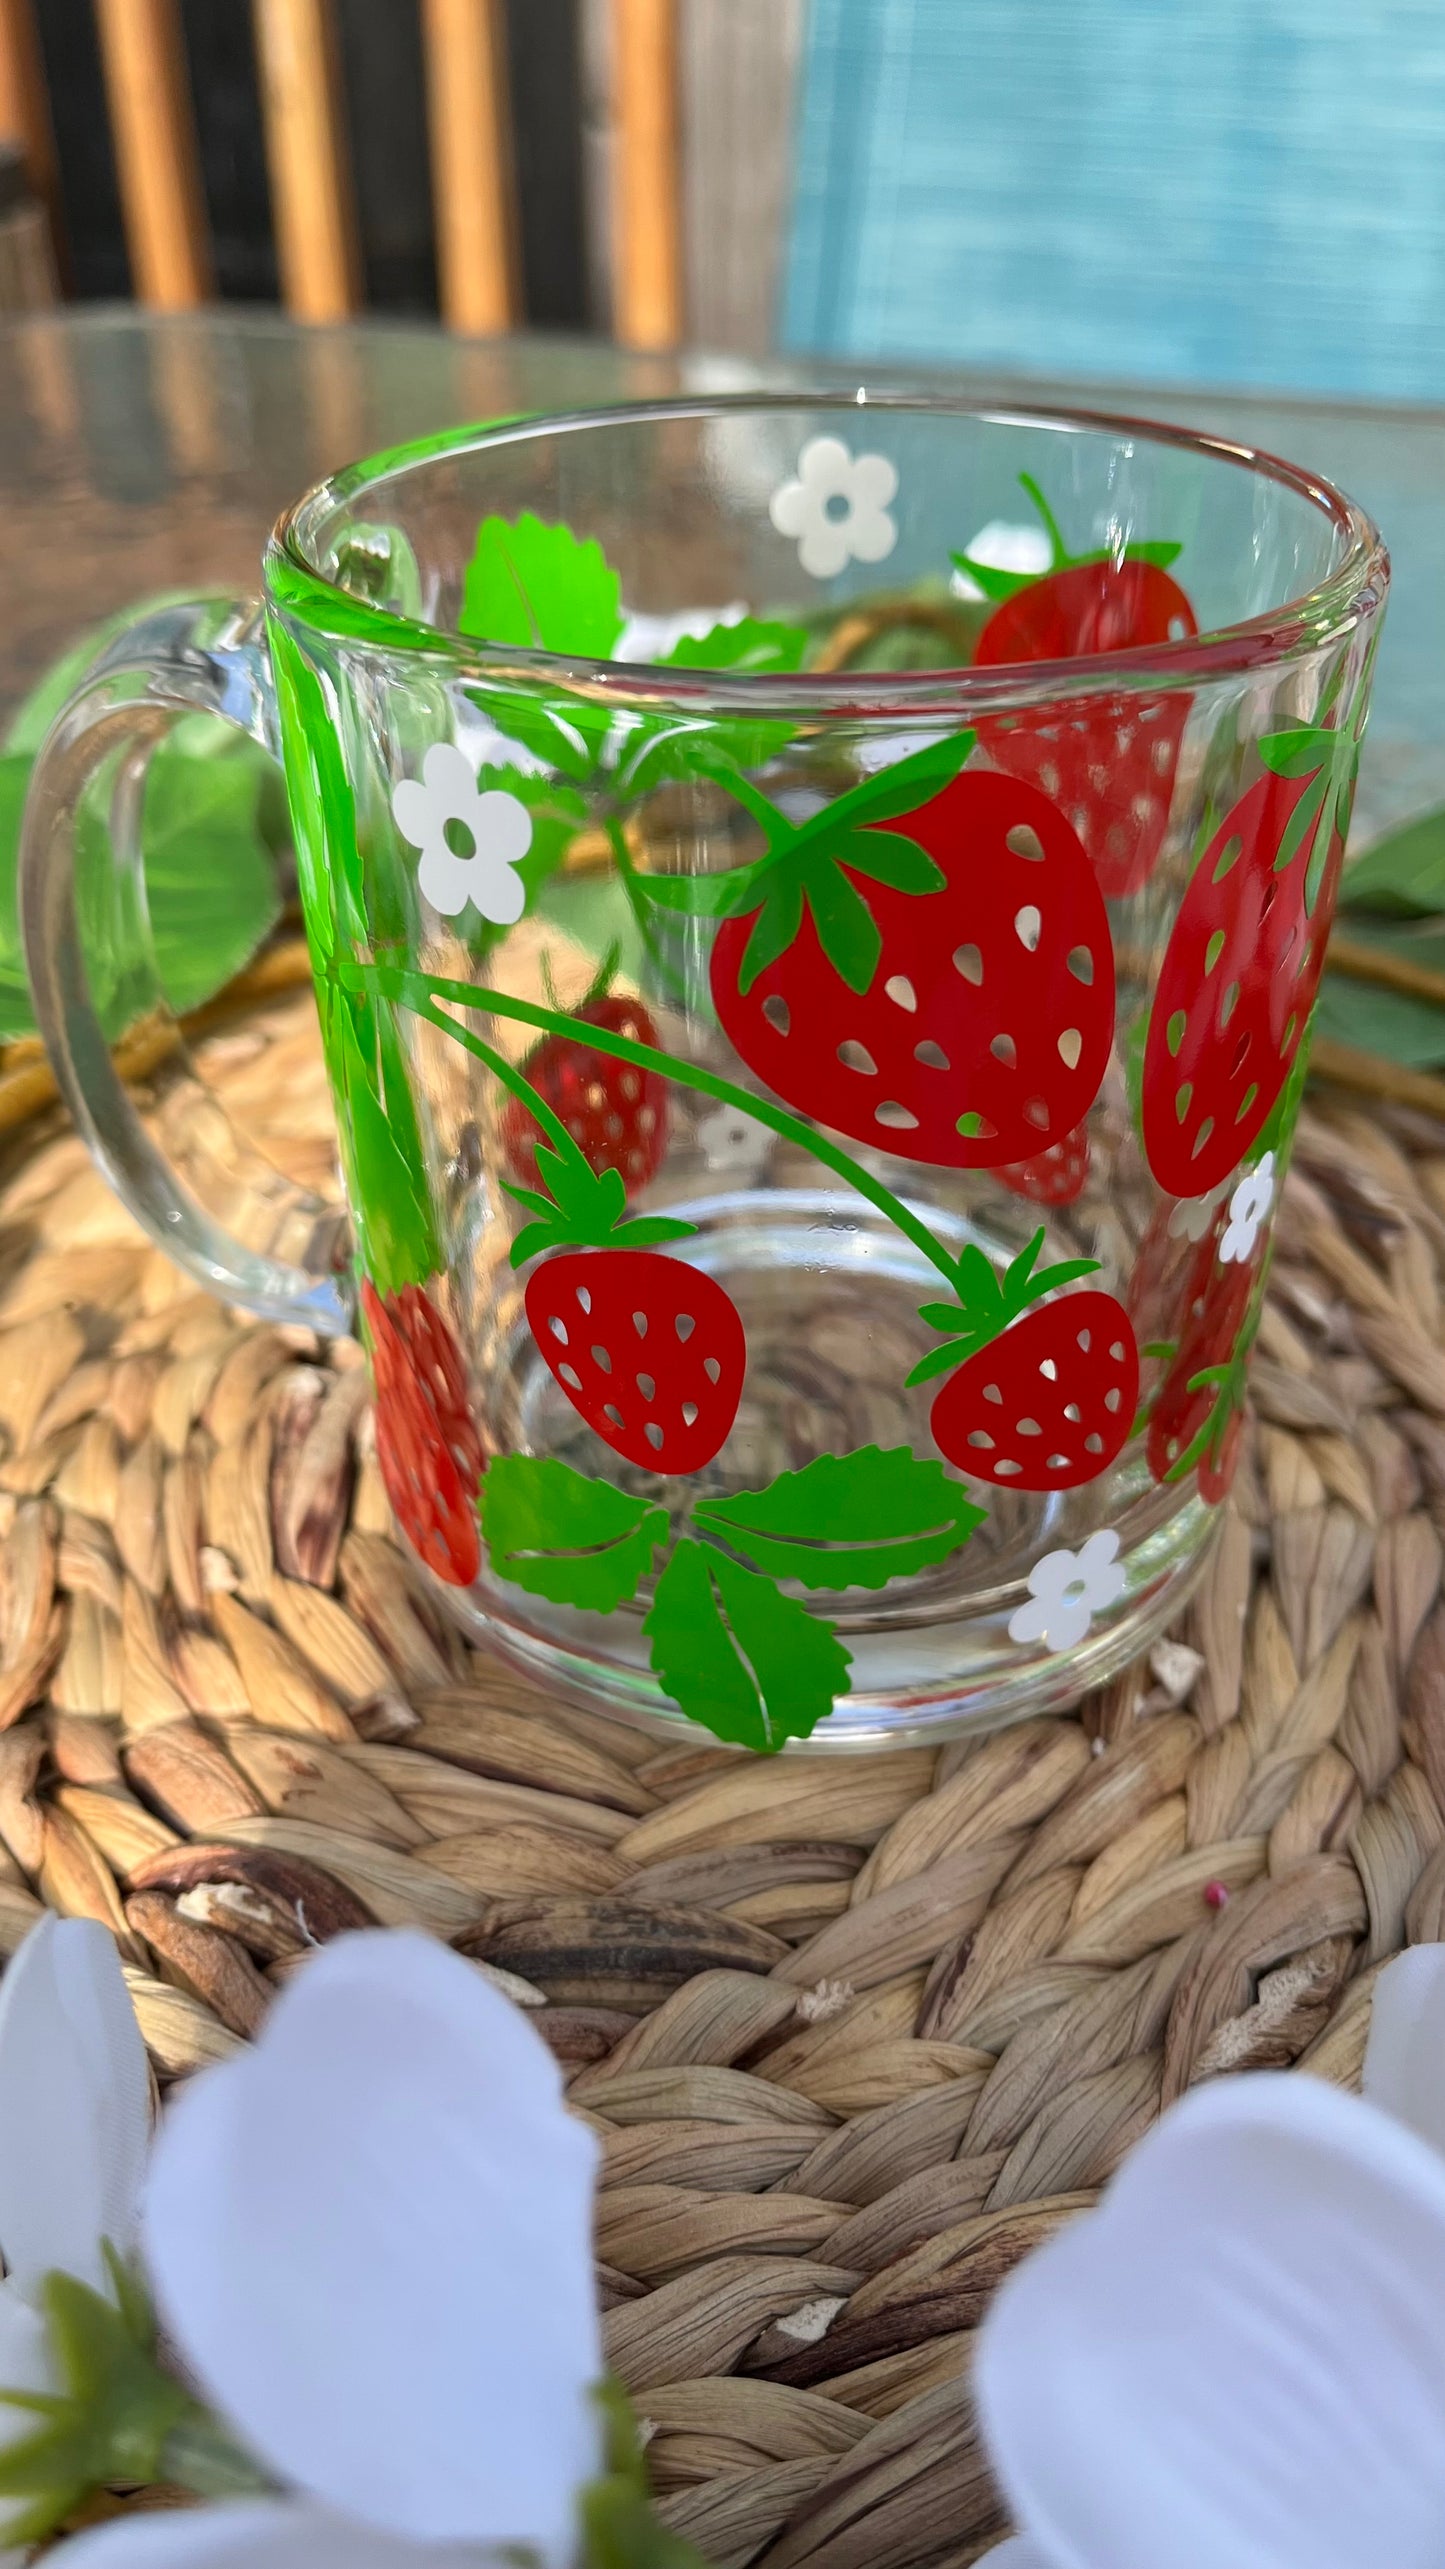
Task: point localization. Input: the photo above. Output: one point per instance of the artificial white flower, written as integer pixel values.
(369, 2236)
(1067, 1590)
(732, 1142)
(1191, 1217)
(74, 2123)
(1240, 2357)
(837, 508)
(1248, 1207)
(446, 805)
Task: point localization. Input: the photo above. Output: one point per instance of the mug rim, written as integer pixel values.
(1321, 615)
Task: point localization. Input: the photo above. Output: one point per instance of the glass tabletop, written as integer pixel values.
(140, 453)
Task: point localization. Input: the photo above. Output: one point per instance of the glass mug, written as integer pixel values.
(815, 909)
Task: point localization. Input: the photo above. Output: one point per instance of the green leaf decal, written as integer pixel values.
(848, 1520)
(903, 787)
(847, 930)
(751, 1665)
(560, 1535)
(380, 1142)
(1302, 752)
(886, 856)
(1402, 876)
(541, 588)
(750, 646)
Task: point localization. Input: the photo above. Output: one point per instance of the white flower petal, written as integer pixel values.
(826, 468)
(1029, 1622)
(502, 826)
(447, 881)
(25, 2365)
(871, 533)
(1241, 2357)
(370, 2238)
(411, 809)
(790, 508)
(498, 891)
(449, 777)
(824, 548)
(74, 2104)
(873, 482)
(1405, 2054)
(1100, 1567)
(270, 2534)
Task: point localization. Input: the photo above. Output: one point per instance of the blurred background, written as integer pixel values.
(1235, 193)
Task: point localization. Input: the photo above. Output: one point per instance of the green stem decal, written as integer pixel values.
(419, 991)
(739, 1656)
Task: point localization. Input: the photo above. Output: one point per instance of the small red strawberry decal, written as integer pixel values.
(1054, 1176)
(1045, 1393)
(1194, 1421)
(1107, 761)
(615, 1112)
(649, 1350)
(427, 1445)
(1243, 964)
(945, 994)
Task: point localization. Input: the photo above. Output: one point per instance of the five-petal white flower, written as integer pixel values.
(837, 508)
(1066, 1591)
(1248, 1206)
(732, 1143)
(1240, 2357)
(74, 2125)
(446, 805)
(370, 2241)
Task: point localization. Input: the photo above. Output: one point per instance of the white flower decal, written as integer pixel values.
(1258, 2308)
(447, 805)
(731, 1142)
(1192, 1216)
(1248, 1206)
(837, 508)
(1067, 1590)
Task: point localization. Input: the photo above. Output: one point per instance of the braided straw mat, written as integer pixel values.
(854, 2033)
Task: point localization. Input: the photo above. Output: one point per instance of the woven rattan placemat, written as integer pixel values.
(855, 2033)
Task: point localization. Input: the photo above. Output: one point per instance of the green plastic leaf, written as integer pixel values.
(555, 1532)
(541, 588)
(621, 2531)
(847, 930)
(848, 1520)
(749, 1664)
(107, 2423)
(751, 646)
(210, 872)
(886, 856)
(1405, 1030)
(1402, 876)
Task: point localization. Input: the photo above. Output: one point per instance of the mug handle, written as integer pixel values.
(276, 1252)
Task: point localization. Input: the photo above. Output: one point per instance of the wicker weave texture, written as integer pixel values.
(854, 2033)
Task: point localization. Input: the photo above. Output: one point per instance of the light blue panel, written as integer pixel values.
(1222, 191)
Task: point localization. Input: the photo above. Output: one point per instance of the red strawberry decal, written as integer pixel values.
(1054, 1176)
(1243, 965)
(649, 1351)
(1194, 1422)
(615, 1112)
(943, 994)
(426, 1443)
(1107, 761)
(1045, 1393)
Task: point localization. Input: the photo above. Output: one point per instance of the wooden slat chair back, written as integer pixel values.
(473, 183)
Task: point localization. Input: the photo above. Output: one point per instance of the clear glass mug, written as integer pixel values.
(815, 908)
